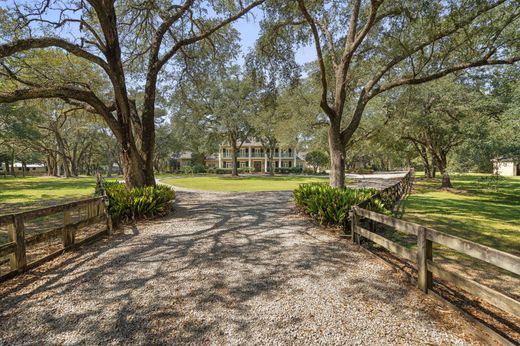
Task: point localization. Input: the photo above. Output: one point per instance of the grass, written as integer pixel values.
(243, 183)
(17, 194)
(474, 209)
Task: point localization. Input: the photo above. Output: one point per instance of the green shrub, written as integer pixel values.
(308, 171)
(327, 204)
(140, 202)
(198, 168)
(288, 170)
(186, 170)
(223, 170)
(211, 170)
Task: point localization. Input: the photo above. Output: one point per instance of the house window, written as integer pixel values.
(243, 164)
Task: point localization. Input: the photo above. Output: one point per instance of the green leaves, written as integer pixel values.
(327, 204)
(142, 202)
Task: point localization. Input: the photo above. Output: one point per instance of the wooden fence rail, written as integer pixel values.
(422, 260)
(16, 247)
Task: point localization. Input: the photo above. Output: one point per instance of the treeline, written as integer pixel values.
(68, 144)
(133, 65)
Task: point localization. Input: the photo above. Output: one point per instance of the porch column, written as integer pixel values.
(294, 154)
(249, 157)
(219, 157)
(266, 170)
(279, 158)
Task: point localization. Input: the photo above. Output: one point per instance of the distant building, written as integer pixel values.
(29, 169)
(252, 154)
(181, 159)
(507, 167)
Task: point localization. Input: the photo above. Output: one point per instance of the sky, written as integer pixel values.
(248, 26)
(249, 29)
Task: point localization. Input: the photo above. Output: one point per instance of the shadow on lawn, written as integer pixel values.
(185, 285)
(487, 216)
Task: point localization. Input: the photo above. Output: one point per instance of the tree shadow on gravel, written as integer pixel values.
(198, 276)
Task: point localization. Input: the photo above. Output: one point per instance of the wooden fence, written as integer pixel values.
(18, 240)
(421, 258)
(391, 195)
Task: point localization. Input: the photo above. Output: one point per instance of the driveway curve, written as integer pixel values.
(224, 269)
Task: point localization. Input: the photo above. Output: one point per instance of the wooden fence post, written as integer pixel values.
(11, 234)
(424, 253)
(108, 216)
(68, 232)
(16, 233)
(354, 221)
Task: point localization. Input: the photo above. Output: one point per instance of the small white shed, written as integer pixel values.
(507, 167)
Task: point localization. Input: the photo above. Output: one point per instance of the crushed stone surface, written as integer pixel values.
(223, 269)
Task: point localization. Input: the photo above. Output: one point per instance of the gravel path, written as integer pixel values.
(225, 269)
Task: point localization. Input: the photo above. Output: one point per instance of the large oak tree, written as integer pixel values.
(366, 48)
(131, 42)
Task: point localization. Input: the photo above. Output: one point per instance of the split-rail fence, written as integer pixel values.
(75, 217)
(421, 257)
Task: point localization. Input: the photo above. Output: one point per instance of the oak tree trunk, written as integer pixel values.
(446, 181)
(442, 164)
(337, 158)
(135, 172)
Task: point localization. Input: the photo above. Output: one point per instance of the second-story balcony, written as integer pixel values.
(258, 154)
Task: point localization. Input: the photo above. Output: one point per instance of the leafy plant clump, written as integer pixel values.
(138, 203)
(327, 204)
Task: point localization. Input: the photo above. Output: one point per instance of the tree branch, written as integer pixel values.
(458, 67)
(169, 54)
(11, 48)
(81, 95)
(321, 62)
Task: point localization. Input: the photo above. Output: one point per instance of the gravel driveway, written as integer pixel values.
(225, 269)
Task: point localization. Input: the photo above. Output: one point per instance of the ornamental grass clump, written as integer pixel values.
(139, 202)
(327, 204)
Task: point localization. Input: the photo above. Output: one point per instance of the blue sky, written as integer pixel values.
(249, 29)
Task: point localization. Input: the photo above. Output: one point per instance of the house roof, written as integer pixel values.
(248, 142)
(505, 159)
(187, 155)
(182, 155)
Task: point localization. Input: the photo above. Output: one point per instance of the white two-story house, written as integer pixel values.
(252, 154)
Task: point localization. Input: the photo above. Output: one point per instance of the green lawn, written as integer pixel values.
(474, 210)
(22, 193)
(243, 183)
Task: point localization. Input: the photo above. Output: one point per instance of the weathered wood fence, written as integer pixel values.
(391, 195)
(18, 240)
(421, 258)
